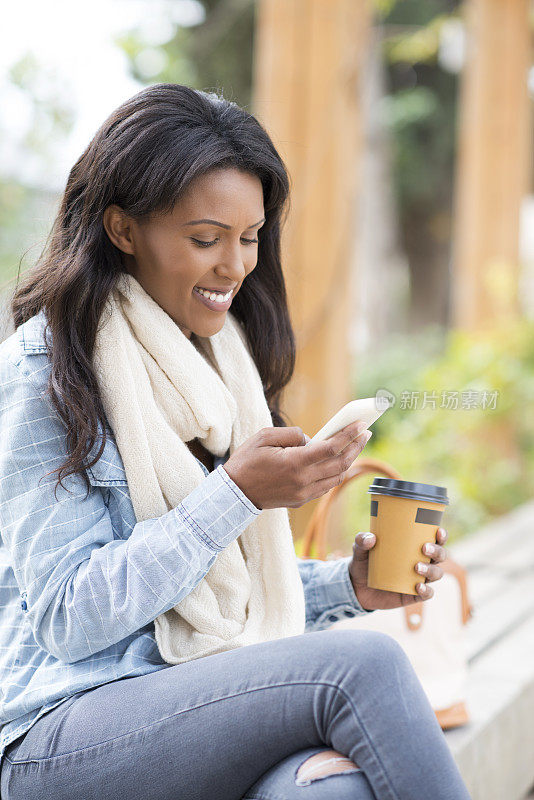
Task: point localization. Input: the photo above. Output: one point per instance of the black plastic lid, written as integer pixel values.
(426, 492)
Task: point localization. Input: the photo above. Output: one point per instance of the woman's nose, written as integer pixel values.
(235, 265)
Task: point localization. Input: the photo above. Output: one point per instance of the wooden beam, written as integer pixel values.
(493, 166)
(308, 56)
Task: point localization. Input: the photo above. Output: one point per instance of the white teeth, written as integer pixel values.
(217, 298)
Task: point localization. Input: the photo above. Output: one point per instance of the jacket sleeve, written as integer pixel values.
(328, 591)
(83, 589)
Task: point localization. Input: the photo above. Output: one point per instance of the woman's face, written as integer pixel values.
(209, 240)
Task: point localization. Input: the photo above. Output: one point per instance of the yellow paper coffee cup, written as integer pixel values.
(404, 515)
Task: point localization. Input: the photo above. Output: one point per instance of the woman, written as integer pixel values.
(161, 640)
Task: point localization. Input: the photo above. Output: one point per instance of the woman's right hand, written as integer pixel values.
(273, 468)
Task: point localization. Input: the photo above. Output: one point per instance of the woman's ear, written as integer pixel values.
(118, 226)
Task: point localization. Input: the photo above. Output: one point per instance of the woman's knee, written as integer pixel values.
(381, 648)
(311, 774)
(322, 764)
(370, 650)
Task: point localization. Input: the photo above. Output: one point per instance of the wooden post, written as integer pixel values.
(493, 166)
(307, 61)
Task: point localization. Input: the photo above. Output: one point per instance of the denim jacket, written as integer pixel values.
(81, 582)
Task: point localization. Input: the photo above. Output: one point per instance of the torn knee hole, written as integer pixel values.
(327, 762)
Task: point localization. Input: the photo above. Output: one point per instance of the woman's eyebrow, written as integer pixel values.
(220, 224)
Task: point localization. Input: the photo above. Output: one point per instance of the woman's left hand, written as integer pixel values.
(371, 599)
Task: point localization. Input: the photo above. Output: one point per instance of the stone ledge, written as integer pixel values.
(495, 751)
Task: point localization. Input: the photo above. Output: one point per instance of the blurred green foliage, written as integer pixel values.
(421, 120)
(215, 54)
(177, 66)
(484, 456)
(52, 111)
(27, 210)
(26, 215)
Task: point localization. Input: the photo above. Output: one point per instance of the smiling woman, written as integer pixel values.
(166, 639)
(181, 189)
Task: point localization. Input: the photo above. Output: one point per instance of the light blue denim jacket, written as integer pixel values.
(81, 582)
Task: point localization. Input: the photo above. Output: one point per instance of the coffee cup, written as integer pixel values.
(404, 515)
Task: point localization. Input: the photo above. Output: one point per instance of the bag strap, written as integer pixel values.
(316, 533)
(460, 573)
(414, 613)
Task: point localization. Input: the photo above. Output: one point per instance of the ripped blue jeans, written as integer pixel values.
(239, 725)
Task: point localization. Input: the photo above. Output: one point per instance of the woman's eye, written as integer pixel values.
(202, 243)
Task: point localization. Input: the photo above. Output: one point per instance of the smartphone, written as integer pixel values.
(367, 410)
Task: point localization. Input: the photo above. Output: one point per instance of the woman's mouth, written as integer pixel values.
(217, 302)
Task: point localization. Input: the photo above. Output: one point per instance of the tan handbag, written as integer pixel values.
(431, 633)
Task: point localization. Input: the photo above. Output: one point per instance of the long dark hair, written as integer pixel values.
(142, 158)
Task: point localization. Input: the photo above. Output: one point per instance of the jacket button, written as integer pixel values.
(23, 605)
(332, 618)
(349, 613)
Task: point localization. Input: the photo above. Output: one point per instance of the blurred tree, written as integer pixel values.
(420, 111)
(214, 54)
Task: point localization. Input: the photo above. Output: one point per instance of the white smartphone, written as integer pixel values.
(367, 410)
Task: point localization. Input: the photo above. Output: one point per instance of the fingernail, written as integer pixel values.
(368, 537)
(429, 549)
(365, 438)
(422, 568)
(360, 427)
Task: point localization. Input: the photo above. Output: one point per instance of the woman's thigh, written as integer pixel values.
(216, 725)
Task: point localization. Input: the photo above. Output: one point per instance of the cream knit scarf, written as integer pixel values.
(159, 392)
